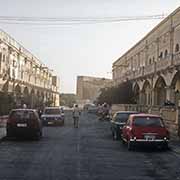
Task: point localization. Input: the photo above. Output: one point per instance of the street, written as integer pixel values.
(84, 153)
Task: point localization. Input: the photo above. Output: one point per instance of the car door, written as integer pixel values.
(126, 128)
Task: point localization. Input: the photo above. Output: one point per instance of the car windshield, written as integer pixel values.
(22, 115)
(52, 111)
(148, 122)
(122, 117)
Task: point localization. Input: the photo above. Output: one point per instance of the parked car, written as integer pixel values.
(53, 116)
(118, 121)
(146, 129)
(92, 109)
(24, 122)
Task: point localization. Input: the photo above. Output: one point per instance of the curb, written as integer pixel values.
(3, 120)
(2, 133)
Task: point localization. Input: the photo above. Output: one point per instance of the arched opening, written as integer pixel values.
(38, 99)
(166, 53)
(42, 97)
(136, 93)
(32, 99)
(5, 87)
(18, 97)
(7, 100)
(161, 55)
(175, 84)
(146, 93)
(26, 97)
(160, 91)
(177, 48)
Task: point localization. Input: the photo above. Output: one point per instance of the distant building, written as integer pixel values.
(88, 88)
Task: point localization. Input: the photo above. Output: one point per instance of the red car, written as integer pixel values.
(145, 129)
(24, 123)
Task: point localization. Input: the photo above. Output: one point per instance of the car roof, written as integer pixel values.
(23, 110)
(55, 107)
(119, 112)
(144, 115)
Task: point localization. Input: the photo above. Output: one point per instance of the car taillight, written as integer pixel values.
(167, 134)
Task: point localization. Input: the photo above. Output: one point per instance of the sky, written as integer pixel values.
(84, 49)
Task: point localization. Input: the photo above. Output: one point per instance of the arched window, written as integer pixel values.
(150, 61)
(161, 55)
(177, 48)
(166, 53)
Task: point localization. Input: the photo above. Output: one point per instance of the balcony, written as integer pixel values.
(163, 63)
(150, 69)
(176, 59)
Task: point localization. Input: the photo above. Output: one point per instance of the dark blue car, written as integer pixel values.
(118, 121)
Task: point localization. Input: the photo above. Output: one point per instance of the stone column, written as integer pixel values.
(153, 102)
(142, 97)
(170, 94)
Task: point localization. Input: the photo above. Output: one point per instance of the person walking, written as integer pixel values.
(76, 115)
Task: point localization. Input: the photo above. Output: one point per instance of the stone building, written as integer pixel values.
(88, 88)
(153, 64)
(24, 76)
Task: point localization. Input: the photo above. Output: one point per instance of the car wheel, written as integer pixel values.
(38, 135)
(130, 145)
(116, 137)
(165, 146)
(122, 141)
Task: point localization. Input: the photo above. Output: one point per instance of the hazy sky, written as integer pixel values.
(82, 49)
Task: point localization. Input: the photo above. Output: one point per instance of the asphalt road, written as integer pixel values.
(86, 153)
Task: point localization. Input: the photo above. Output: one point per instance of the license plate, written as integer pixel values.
(149, 137)
(50, 122)
(21, 125)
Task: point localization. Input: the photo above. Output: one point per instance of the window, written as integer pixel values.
(150, 61)
(177, 48)
(166, 53)
(148, 122)
(161, 55)
(128, 122)
(4, 58)
(52, 111)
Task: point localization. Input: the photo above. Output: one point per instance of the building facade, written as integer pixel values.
(25, 77)
(88, 88)
(153, 64)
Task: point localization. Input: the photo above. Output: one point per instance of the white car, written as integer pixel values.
(53, 116)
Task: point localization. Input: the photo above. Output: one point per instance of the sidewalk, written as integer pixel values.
(3, 120)
(2, 132)
(175, 146)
